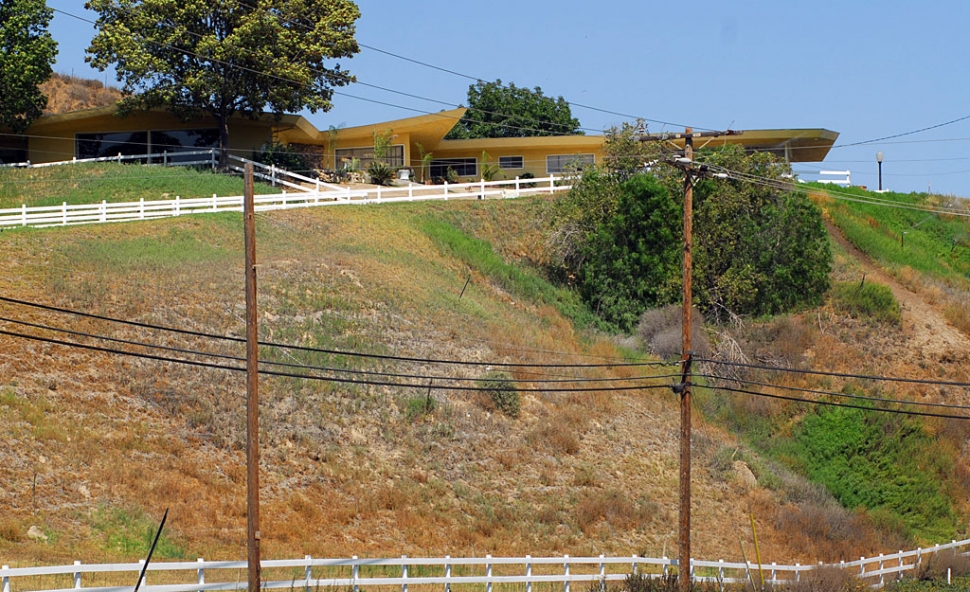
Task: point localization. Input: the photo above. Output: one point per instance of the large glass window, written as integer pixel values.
(111, 144)
(106, 145)
(511, 162)
(562, 163)
(393, 158)
(463, 167)
(183, 141)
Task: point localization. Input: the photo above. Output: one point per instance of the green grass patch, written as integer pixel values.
(88, 183)
(523, 283)
(866, 300)
(883, 462)
(129, 531)
(898, 233)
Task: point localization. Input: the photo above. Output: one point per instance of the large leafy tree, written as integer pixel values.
(499, 111)
(26, 54)
(225, 57)
(759, 247)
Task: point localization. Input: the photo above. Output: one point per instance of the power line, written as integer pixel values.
(900, 135)
(232, 358)
(834, 374)
(421, 385)
(834, 394)
(323, 350)
(831, 403)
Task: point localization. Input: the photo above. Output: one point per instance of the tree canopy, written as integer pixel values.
(499, 111)
(225, 57)
(27, 52)
(758, 248)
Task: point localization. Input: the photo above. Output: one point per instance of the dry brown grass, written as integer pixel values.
(67, 93)
(345, 471)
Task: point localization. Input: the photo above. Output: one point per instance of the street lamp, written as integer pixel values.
(879, 160)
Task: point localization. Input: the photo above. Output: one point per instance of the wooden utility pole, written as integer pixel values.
(252, 385)
(685, 423)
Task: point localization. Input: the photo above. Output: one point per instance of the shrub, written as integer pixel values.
(660, 331)
(380, 173)
(866, 300)
(502, 393)
(284, 157)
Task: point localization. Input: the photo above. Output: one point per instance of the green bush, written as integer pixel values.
(866, 300)
(282, 156)
(502, 392)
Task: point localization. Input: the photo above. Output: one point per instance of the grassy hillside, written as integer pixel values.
(93, 182)
(94, 446)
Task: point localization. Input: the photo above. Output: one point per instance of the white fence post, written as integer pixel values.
(663, 570)
(528, 573)
(141, 209)
(410, 192)
(602, 574)
(404, 574)
(178, 205)
(447, 573)
(4, 578)
(215, 205)
(378, 193)
(798, 573)
(165, 158)
(141, 582)
(634, 566)
(64, 212)
(882, 576)
(355, 574)
(200, 573)
(308, 572)
(488, 574)
(862, 566)
(23, 213)
(77, 577)
(516, 185)
(566, 573)
(899, 575)
(446, 190)
(720, 573)
(104, 210)
(482, 187)
(552, 183)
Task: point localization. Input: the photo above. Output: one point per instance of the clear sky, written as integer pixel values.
(866, 69)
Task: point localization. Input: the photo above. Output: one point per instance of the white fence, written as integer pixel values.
(444, 572)
(307, 192)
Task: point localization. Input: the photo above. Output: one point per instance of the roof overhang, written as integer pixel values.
(796, 145)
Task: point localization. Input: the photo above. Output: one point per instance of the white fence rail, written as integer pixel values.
(445, 572)
(309, 193)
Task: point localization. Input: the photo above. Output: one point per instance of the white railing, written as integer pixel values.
(322, 195)
(353, 573)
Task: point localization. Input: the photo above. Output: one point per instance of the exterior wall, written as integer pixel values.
(534, 156)
(53, 140)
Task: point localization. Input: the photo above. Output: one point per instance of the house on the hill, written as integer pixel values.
(417, 142)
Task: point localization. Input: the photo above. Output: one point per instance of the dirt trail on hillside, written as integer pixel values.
(931, 337)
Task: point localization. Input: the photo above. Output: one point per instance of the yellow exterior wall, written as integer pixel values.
(53, 138)
(533, 151)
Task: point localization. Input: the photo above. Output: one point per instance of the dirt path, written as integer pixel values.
(931, 337)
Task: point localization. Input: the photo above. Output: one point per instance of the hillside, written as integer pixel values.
(69, 93)
(94, 446)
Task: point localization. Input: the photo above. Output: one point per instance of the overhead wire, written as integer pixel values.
(186, 351)
(325, 350)
(832, 403)
(421, 385)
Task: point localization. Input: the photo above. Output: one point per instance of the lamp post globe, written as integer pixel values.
(879, 160)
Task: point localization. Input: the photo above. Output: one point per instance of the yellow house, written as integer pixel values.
(415, 143)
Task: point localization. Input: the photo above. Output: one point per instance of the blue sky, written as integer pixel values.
(864, 69)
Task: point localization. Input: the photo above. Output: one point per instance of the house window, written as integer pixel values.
(561, 163)
(106, 145)
(183, 141)
(111, 144)
(511, 162)
(463, 167)
(393, 158)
